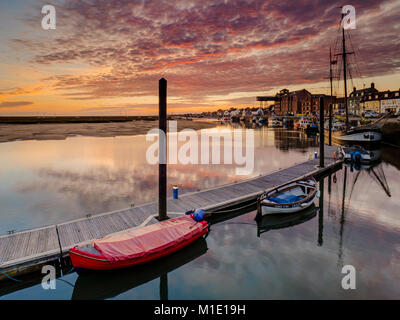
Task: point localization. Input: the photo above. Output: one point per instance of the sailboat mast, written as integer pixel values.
(330, 105)
(344, 54)
(330, 70)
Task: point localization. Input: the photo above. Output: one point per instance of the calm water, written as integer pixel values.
(48, 182)
(357, 223)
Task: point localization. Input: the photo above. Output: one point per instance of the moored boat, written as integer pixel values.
(289, 198)
(365, 135)
(276, 123)
(344, 134)
(358, 154)
(138, 246)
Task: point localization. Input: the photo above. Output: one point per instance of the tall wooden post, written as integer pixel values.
(321, 214)
(330, 123)
(162, 167)
(321, 132)
(164, 287)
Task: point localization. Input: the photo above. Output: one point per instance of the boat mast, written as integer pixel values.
(345, 75)
(330, 105)
(330, 70)
(344, 55)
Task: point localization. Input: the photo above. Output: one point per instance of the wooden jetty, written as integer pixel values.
(27, 251)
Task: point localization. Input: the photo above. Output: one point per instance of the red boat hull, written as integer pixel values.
(85, 260)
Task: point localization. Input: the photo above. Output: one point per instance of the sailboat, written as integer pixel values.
(342, 133)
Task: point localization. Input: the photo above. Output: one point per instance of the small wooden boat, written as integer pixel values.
(289, 198)
(138, 246)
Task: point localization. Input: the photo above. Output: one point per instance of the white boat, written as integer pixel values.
(276, 123)
(358, 154)
(361, 135)
(289, 198)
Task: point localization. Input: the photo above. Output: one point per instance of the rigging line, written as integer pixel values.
(355, 58)
(364, 64)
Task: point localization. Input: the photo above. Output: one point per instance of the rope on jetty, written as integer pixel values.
(235, 209)
(9, 276)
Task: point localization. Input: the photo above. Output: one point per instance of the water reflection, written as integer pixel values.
(281, 221)
(105, 285)
(354, 222)
(48, 182)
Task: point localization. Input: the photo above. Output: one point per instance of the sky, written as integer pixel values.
(105, 57)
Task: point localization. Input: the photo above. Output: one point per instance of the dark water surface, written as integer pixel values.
(356, 222)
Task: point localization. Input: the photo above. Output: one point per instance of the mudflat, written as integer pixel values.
(61, 131)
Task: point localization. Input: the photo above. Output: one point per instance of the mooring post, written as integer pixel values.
(164, 287)
(162, 166)
(330, 124)
(321, 213)
(321, 132)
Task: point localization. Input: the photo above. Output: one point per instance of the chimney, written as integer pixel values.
(372, 85)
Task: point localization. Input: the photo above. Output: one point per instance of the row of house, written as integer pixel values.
(372, 100)
(359, 102)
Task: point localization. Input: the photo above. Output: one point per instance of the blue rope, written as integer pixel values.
(9, 276)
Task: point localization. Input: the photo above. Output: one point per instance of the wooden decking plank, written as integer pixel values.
(226, 190)
(207, 199)
(22, 246)
(31, 246)
(6, 246)
(173, 206)
(246, 188)
(256, 183)
(213, 196)
(199, 202)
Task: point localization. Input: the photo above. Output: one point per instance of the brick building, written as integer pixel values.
(316, 100)
(294, 102)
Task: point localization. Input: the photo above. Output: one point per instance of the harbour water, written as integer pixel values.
(302, 258)
(48, 182)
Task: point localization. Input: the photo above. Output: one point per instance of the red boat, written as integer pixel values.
(138, 246)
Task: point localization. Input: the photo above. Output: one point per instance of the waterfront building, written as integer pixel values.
(294, 102)
(358, 97)
(338, 106)
(371, 102)
(390, 101)
(315, 103)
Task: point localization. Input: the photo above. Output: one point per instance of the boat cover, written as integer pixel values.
(148, 240)
(285, 198)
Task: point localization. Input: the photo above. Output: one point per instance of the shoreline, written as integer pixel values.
(61, 131)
